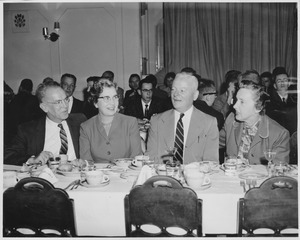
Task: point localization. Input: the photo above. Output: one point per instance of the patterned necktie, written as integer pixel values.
(146, 111)
(63, 139)
(179, 140)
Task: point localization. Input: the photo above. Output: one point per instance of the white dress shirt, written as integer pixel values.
(144, 106)
(52, 139)
(70, 104)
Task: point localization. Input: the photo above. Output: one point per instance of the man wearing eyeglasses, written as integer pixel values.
(144, 105)
(54, 134)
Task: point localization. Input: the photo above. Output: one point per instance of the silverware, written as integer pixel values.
(76, 184)
(248, 182)
(253, 182)
(71, 184)
(242, 183)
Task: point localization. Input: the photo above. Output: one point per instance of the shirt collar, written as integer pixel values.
(187, 114)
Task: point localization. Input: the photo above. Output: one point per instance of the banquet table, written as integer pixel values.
(100, 211)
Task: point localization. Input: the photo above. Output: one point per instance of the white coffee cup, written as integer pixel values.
(10, 179)
(63, 158)
(123, 162)
(139, 160)
(196, 179)
(95, 178)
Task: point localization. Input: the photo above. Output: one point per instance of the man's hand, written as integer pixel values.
(41, 159)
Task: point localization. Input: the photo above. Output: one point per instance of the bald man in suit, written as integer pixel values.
(201, 135)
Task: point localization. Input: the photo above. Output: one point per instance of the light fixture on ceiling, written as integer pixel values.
(52, 36)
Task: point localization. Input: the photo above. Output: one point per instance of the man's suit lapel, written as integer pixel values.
(40, 135)
(139, 108)
(194, 129)
(168, 129)
(74, 134)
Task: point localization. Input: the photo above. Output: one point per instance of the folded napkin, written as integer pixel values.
(47, 174)
(146, 172)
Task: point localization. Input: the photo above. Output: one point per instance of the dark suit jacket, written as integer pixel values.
(77, 106)
(135, 108)
(30, 139)
(283, 113)
(202, 106)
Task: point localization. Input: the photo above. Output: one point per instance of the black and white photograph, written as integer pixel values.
(150, 119)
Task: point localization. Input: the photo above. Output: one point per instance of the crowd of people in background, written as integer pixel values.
(251, 107)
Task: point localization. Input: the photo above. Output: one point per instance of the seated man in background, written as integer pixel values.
(224, 102)
(283, 104)
(266, 80)
(133, 83)
(111, 76)
(206, 98)
(56, 133)
(194, 133)
(248, 132)
(144, 105)
(68, 83)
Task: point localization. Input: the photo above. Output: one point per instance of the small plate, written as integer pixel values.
(252, 176)
(73, 173)
(103, 184)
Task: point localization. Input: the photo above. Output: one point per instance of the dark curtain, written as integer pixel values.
(213, 38)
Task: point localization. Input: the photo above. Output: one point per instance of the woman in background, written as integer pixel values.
(108, 135)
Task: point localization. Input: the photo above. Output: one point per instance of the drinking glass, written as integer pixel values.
(270, 155)
(170, 154)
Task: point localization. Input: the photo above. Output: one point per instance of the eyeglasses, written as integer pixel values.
(107, 99)
(210, 93)
(147, 90)
(60, 102)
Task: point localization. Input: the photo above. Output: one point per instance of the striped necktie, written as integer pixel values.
(179, 139)
(64, 140)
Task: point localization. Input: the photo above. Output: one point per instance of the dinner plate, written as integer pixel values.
(252, 176)
(103, 184)
(73, 173)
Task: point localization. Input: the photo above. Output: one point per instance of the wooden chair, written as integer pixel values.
(163, 202)
(39, 208)
(274, 205)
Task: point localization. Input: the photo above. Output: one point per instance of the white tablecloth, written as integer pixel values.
(100, 211)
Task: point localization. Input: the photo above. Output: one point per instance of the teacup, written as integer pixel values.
(196, 179)
(10, 179)
(94, 178)
(139, 160)
(123, 162)
(63, 158)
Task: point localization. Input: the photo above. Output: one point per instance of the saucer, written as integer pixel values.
(203, 187)
(252, 176)
(103, 184)
(135, 168)
(126, 175)
(73, 173)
